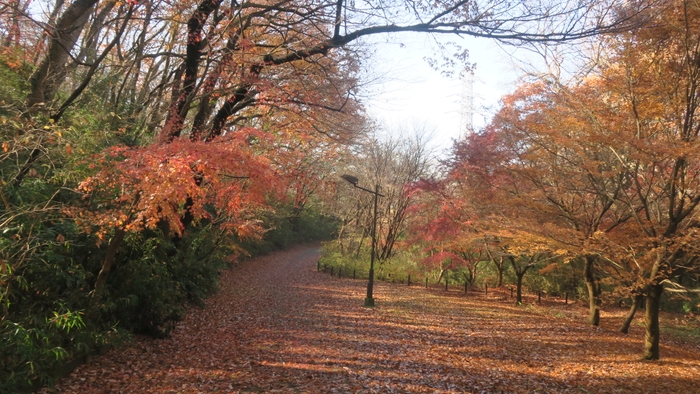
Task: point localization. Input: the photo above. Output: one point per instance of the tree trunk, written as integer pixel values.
(630, 315)
(90, 41)
(472, 274)
(16, 10)
(499, 268)
(107, 264)
(51, 72)
(195, 46)
(442, 273)
(651, 323)
(519, 287)
(593, 288)
(93, 68)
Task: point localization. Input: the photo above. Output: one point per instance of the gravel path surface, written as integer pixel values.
(277, 325)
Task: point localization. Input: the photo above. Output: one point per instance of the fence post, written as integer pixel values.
(466, 286)
(511, 293)
(566, 299)
(332, 270)
(426, 283)
(539, 296)
(340, 271)
(318, 265)
(486, 289)
(446, 283)
(353, 274)
(409, 280)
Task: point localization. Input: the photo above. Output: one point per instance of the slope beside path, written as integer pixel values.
(277, 325)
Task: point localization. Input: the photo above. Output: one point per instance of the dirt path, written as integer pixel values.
(277, 325)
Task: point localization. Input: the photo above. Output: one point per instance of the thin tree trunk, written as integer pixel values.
(499, 267)
(472, 275)
(624, 328)
(46, 35)
(651, 323)
(519, 274)
(17, 9)
(88, 51)
(93, 68)
(195, 46)
(107, 264)
(439, 278)
(593, 288)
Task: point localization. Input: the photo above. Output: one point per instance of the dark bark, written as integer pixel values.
(107, 265)
(500, 267)
(36, 152)
(33, 157)
(593, 287)
(205, 106)
(46, 35)
(637, 301)
(130, 84)
(88, 50)
(187, 217)
(234, 104)
(108, 262)
(520, 272)
(651, 322)
(195, 44)
(51, 71)
(519, 288)
(244, 95)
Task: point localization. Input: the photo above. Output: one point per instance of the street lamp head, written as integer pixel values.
(351, 179)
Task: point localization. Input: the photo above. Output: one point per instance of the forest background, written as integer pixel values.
(146, 145)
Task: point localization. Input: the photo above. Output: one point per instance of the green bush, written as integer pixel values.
(395, 269)
(44, 300)
(332, 257)
(154, 280)
(286, 229)
(680, 303)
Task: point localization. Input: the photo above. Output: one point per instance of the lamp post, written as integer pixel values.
(369, 300)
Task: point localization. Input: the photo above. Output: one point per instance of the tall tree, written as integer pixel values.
(654, 84)
(63, 36)
(607, 164)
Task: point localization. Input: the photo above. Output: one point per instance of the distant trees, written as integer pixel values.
(395, 164)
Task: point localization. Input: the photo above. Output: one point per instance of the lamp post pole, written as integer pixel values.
(369, 300)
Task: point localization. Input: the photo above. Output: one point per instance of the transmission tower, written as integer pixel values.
(466, 104)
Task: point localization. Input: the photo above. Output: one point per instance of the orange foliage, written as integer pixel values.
(137, 188)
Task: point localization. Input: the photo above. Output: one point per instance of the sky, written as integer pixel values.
(406, 93)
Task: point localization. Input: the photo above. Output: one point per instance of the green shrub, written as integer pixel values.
(331, 256)
(154, 280)
(395, 269)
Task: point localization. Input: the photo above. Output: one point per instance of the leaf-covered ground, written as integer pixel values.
(277, 325)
